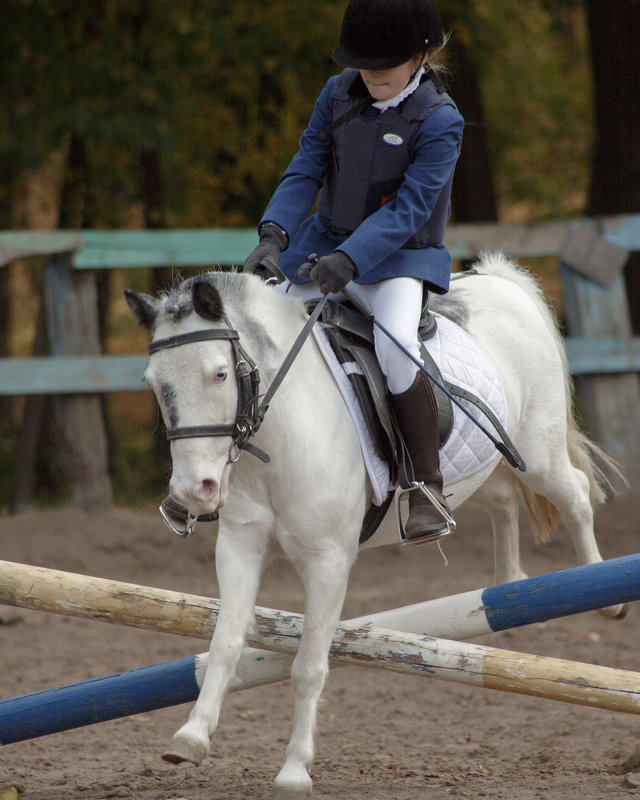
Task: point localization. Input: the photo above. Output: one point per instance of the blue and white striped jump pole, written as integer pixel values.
(357, 642)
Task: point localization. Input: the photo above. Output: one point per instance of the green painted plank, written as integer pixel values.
(622, 230)
(21, 244)
(107, 373)
(541, 239)
(94, 249)
(179, 248)
(72, 375)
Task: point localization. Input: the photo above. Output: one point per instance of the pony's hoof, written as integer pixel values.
(615, 612)
(282, 793)
(292, 784)
(184, 750)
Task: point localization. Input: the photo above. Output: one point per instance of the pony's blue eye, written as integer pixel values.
(220, 376)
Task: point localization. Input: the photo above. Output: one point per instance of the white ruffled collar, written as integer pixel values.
(383, 105)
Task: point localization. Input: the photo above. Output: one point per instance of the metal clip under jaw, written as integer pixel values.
(429, 537)
(185, 532)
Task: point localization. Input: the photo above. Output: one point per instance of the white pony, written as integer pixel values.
(310, 499)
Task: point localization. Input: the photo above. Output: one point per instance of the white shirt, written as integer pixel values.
(383, 105)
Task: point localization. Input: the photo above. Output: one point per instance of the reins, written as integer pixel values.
(289, 359)
(251, 410)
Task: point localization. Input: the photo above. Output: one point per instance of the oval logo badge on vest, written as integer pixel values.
(393, 139)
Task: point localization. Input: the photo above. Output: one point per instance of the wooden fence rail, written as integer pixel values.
(591, 254)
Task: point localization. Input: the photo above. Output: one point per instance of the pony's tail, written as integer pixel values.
(543, 515)
(584, 454)
(596, 464)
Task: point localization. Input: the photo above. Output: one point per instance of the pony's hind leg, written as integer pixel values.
(325, 581)
(567, 487)
(499, 498)
(239, 563)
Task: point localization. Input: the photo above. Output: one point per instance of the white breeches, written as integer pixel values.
(396, 304)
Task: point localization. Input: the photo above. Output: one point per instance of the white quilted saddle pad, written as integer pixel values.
(462, 362)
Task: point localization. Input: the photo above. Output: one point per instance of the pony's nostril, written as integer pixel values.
(208, 488)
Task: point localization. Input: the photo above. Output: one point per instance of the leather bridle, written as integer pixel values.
(248, 414)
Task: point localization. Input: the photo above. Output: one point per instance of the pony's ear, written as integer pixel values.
(143, 307)
(206, 300)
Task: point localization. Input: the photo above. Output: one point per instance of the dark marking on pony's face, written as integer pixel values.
(167, 401)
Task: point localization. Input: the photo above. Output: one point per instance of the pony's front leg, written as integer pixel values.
(325, 582)
(239, 563)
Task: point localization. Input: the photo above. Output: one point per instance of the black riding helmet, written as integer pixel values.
(382, 34)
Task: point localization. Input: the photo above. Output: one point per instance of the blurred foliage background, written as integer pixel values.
(151, 113)
(213, 96)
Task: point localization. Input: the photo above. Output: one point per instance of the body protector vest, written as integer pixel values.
(369, 157)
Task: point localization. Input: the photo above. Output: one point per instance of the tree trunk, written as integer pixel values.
(473, 193)
(474, 196)
(29, 437)
(614, 32)
(615, 172)
(615, 57)
(154, 217)
(7, 404)
(72, 319)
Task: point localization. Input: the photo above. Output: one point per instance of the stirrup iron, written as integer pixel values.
(427, 538)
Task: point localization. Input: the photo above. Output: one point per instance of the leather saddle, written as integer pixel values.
(350, 335)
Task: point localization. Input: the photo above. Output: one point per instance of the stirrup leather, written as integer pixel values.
(427, 537)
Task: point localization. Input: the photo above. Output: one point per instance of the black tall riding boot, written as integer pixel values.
(417, 417)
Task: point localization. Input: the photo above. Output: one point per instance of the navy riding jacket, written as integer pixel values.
(384, 180)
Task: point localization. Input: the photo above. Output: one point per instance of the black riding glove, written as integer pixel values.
(273, 240)
(332, 273)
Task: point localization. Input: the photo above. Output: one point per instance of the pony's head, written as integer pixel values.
(193, 376)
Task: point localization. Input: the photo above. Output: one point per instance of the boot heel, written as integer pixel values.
(427, 537)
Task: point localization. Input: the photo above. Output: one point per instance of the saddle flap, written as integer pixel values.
(360, 364)
(346, 318)
(353, 346)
